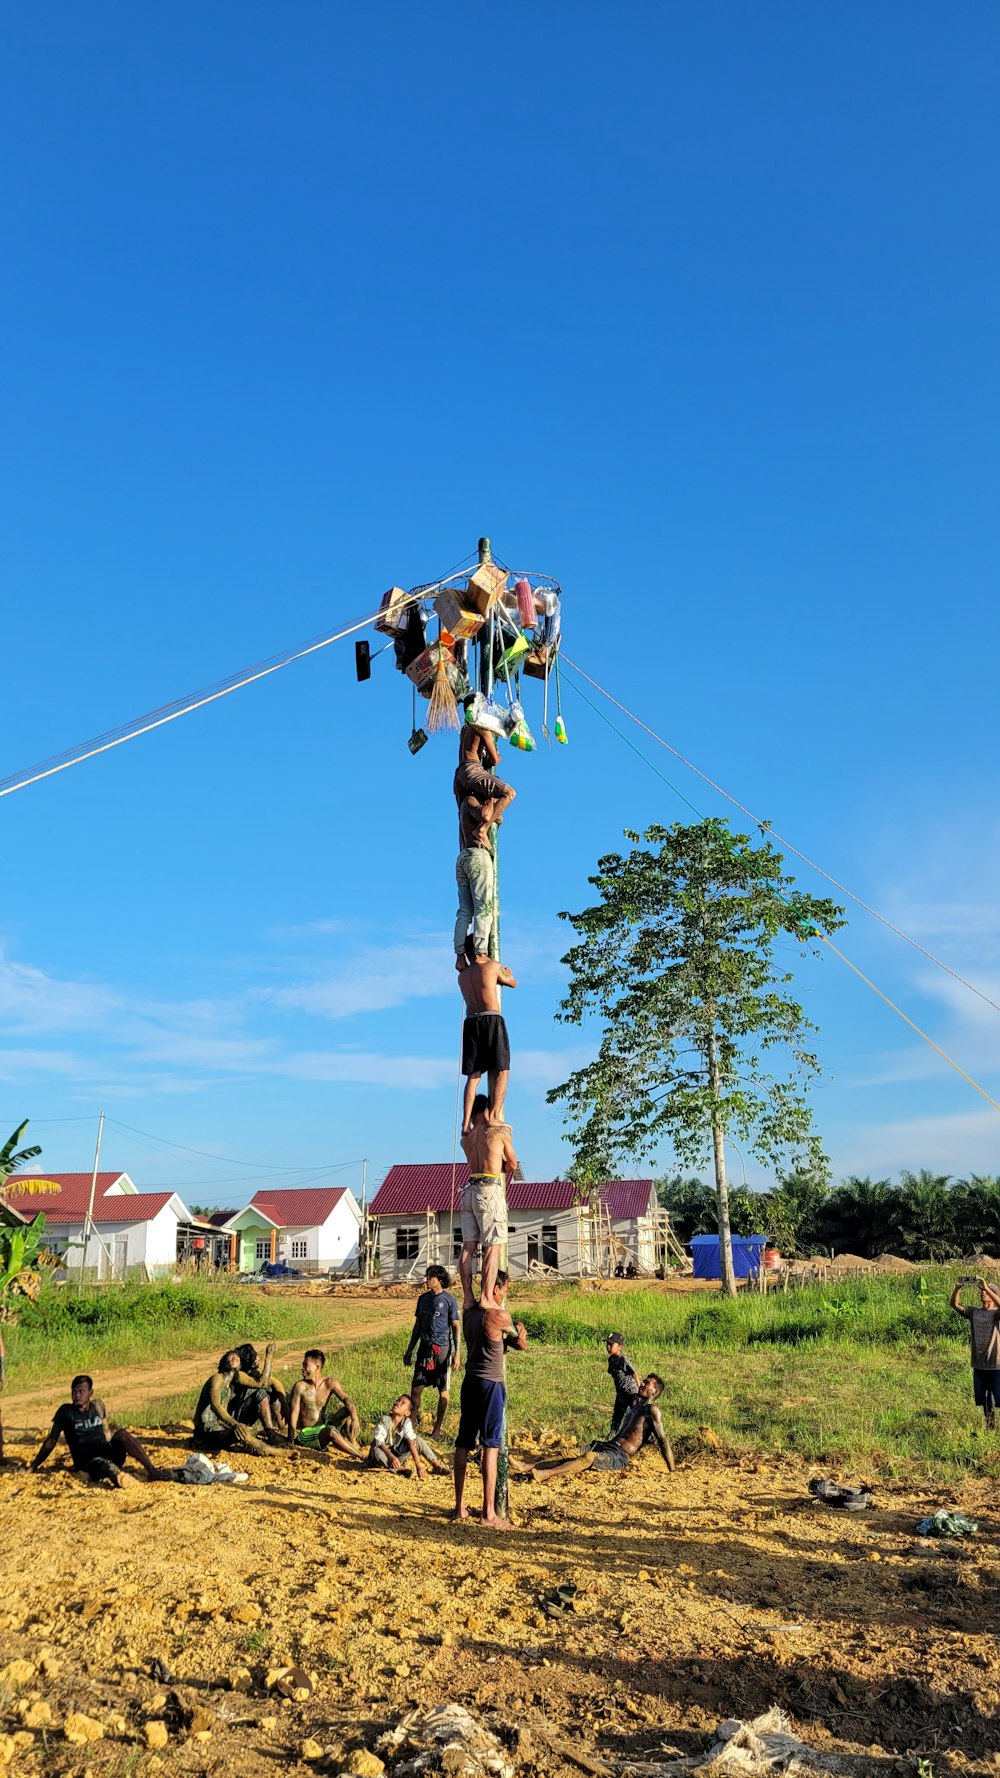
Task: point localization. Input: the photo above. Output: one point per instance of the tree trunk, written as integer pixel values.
(721, 1183)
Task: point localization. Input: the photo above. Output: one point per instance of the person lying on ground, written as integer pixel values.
(488, 1333)
(489, 1150)
(395, 1440)
(435, 1339)
(215, 1426)
(83, 1423)
(313, 1418)
(625, 1378)
(264, 1400)
(984, 1345)
(485, 1044)
(642, 1424)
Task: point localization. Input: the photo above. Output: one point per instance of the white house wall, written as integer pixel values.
(330, 1246)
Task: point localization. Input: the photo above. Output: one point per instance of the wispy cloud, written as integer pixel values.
(373, 980)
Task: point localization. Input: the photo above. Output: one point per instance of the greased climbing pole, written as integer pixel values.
(469, 643)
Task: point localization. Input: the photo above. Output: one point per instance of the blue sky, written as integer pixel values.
(694, 308)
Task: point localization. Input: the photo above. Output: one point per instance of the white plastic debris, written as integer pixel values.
(448, 1739)
(753, 1749)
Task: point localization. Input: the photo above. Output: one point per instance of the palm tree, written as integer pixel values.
(861, 1215)
(691, 1203)
(928, 1215)
(977, 1212)
(20, 1242)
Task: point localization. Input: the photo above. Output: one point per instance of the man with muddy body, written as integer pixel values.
(313, 1420)
(984, 1345)
(625, 1380)
(642, 1425)
(265, 1400)
(216, 1428)
(482, 800)
(488, 1333)
(83, 1423)
(435, 1340)
(485, 1044)
(489, 1150)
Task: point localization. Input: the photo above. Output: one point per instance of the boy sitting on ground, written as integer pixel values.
(395, 1440)
(83, 1423)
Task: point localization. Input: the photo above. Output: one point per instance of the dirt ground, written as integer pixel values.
(715, 1592)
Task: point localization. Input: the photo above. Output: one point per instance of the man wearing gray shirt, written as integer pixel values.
(984, 1343)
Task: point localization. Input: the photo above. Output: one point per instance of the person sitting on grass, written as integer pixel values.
(395, 1441)
(642, 1424)
(625, 1377)
(215, 1427)
(83, 1423)
(313, 1420)
(984, 1346)
(262, 1401)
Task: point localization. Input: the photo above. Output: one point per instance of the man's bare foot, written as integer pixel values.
(118, 1478)
(496, 1524)
(461, 1512)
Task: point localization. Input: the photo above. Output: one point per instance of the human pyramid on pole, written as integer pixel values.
(494, 626)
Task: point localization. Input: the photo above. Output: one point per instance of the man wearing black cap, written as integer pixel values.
(625, 1380)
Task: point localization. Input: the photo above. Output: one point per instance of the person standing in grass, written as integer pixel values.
(435, 1339)
(625, 1379)
(984, 1345)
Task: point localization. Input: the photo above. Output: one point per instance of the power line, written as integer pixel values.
(766, 827)
(228, 1160)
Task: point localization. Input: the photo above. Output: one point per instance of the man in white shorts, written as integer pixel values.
(489, 1150)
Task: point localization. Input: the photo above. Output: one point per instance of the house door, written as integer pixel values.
(119, 1251)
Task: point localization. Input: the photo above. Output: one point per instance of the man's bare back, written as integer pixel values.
(479, 982)
(489, 1148)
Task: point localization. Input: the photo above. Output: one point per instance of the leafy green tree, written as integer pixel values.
(677, 959)
(795, 1207)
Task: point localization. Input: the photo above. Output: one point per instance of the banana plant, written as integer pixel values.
(20, 1242)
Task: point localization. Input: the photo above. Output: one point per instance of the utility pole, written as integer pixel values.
(719, 1150)
(88, 1222)
(364, 1221)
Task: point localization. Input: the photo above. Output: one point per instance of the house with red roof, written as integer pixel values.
(314, 1229)
(554, 1227)
(130, 1231)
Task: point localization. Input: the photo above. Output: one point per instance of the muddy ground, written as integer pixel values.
(715, 1592)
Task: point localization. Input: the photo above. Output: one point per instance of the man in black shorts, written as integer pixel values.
(435, 1340)
(642, 1424)
(83, 1423)
(488, 1333)
(485, 1044)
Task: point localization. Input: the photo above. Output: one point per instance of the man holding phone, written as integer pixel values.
(984, 1343)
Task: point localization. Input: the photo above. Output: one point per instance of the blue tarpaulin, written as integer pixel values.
(748, 1255)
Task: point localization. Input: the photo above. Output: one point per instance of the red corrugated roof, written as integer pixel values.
(412, 1190)
(71, 1206)
(306, 1208)
(130, 1207)
(70, 1201)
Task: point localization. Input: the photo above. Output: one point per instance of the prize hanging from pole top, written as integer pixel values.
(468, 642)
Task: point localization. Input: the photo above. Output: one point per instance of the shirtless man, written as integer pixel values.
(312, 1419)
(489, 1150)
(485, 1044)
(83, 1423)
(215, 1428)
(477, 754)
(642, 1423)
(489, 1332)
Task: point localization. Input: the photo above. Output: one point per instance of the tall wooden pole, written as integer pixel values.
(88, 1221)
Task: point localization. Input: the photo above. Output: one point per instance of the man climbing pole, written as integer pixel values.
(489, 1150)
(485, 1044)
(481, 800)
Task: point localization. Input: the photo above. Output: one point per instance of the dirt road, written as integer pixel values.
(139, 1387)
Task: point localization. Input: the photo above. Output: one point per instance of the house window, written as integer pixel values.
(456, 1242)
(407, 1243)
(300, 1248)
(547, 1249)
(263, 1247)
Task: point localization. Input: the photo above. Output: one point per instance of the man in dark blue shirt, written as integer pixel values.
(435, 1339)
(83, 1423)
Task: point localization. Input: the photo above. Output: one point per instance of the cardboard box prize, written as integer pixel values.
(460, 623)
(486, 588)
(393, 613)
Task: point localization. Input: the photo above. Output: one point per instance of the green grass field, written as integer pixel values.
(868, 1376)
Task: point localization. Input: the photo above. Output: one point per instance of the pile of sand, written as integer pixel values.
(891, 1262)
(846, 1262)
